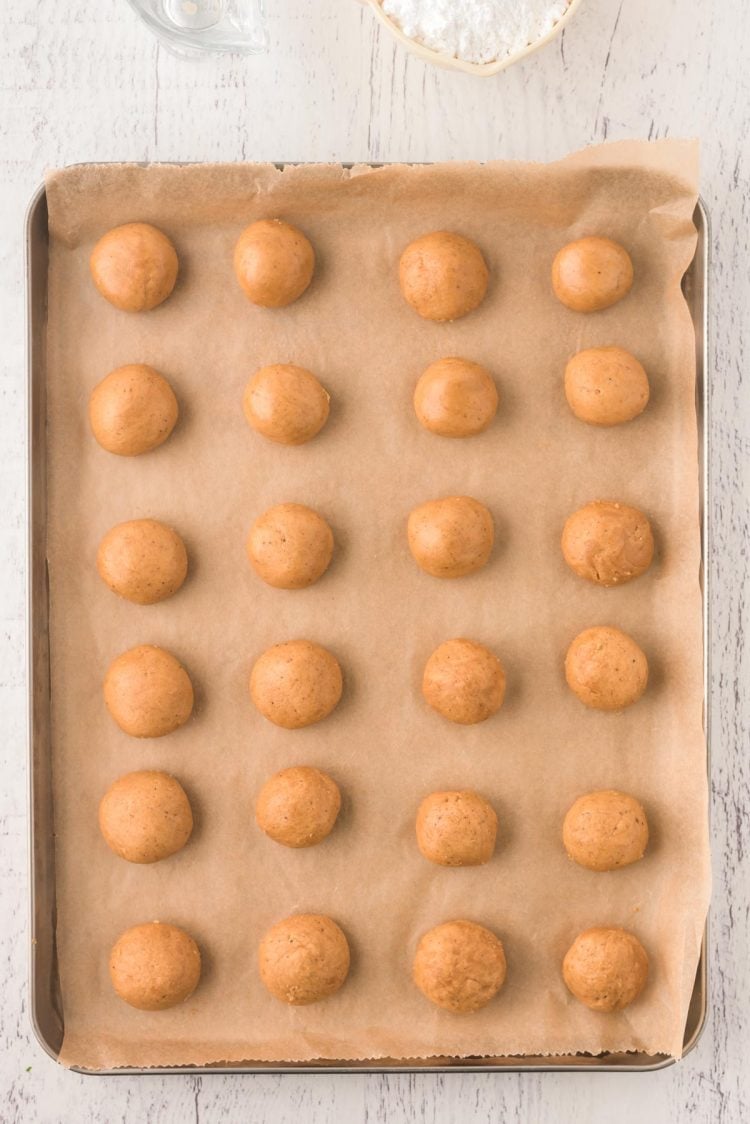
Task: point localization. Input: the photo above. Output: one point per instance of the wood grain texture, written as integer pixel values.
(85, 81)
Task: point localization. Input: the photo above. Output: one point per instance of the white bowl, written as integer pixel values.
(451, 63)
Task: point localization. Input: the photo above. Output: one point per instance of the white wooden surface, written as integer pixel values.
(85, 81)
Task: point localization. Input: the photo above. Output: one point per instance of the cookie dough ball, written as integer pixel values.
(134, 266)
(296, 684)
(606, 386)
(455, 398)
(290, 546)
(155, 966)
(456, 828)
(608, 543)
(303, 959)
(606, 969)
(274, 263)
(298, 807)
(464, 681)
(606, 669)
(132, 410)
(142, 560)
(605, 830)
(451, 537)
(286, 404)
(591, 274)
(459, 966)
(145, 817)
(147, 692)
(443, 276)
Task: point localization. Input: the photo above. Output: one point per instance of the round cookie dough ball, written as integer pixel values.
(296, 683)
(451, 537)
(591, 274)
(274, 263)
(303, 959)
(606, 386)
(155, 966)
(459, 966)
(148, 692)
(145, 817)
(286, 404)
(606, 669)
(298, 807)
(290, 546)
(443, 276)
(134, 266)
(142, 560)
(455, 398)
(608, 543)
(605, 830)
(606, 969)
(456, 828)
(132, 410)
(464, 681)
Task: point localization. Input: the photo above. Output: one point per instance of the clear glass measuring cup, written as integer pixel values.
(193, 27)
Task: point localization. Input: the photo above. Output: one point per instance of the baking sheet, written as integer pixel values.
(379, 614)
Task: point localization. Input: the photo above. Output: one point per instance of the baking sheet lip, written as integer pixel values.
(664, 1061)
(706, 499)
(280, 1070)
(34, 202)
(37, 198)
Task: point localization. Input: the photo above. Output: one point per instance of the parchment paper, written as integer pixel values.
(374, 609)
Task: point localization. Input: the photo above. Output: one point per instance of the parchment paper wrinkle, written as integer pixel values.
(374, 609)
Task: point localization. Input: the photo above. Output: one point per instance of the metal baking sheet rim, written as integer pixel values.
(45, 1007)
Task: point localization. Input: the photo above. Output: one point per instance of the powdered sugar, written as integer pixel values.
(476, 30)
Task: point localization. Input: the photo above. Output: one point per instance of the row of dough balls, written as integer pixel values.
(290, 546)
(442, 275)
(459, 966)
(298, 682)
(134, 409)
(146, 817)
